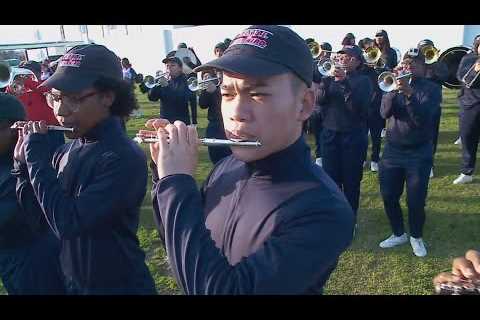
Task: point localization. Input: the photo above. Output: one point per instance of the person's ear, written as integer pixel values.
(307, 103)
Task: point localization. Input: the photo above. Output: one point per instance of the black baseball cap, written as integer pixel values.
(414, 53)
(353, 51)
(326, 46)
(82, 65)
(381, 33)
(173, 59)
(266, 50)
(425, 42)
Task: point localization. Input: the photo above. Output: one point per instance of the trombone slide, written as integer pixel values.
(19, 125)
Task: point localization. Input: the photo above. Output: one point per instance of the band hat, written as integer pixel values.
(173, 59)
(414, 53)
(266, 50)
(82, 65)
(353, 51)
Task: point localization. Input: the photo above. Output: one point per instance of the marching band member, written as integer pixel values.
(389, 56)
(29, 251)
(407, 155)
(268, 220)
(82, 190)
(348, 40)
(316, 117)
(32, 96)
(174, 94)
(375, 122)
(469, 120)
(438, 73)
(211, 99)
(219, 49)
(344, 101)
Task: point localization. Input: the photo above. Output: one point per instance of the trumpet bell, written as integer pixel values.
(372, 55)
(315, 49)
(192, 84)
(431, 54)
(149, 81)
(326, 67)
(386, 81)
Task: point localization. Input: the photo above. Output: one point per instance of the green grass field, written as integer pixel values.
(452, 226)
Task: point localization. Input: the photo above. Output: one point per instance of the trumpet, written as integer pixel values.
(387, 81)
(327, 67)
(206, 142)
(194, 84)
(151, 82)
(315, 49)
(431, 54)
(20, 124)
(372, 55)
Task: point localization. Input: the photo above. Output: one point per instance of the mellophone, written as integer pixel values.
(207, 142)
(21, 124)
(463, 287)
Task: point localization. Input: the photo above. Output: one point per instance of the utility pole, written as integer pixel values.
(62, 33)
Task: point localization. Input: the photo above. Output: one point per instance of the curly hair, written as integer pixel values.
(125, 100)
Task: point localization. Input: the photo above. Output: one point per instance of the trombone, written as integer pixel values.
(431, 54)
(195, 85)
(373, 57)
(470, 78)
(387, 81)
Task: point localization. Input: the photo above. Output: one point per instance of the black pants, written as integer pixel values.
(375, 124)
(216, 130)
(343, 155)
(470, 134)
(33, 269)
(410, 167)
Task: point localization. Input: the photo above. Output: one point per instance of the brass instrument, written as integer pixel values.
(387, 81)
(315, 49)
(452, 57)
(194, 84)
(431, 54)
(151, 82)
(327, 67)
(470, 78)
(373, 57)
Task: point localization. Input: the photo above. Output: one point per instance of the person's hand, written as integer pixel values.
(477, 66)
(35, 127)
(177, 151)
(467, 267)
(339, 74)
(154, 125)
(163, 82)
(19, 151)
(404, 86)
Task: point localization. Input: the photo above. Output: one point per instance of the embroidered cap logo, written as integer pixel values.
(253, 37)
(71, 60)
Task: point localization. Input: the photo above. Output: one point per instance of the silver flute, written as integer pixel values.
(208, 142)
(20, 124)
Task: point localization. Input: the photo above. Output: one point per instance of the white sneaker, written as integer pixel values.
(318, 162)
(394, 241)
(458, 141)
(373, 166)
(431, 173)
(418, 247)
(462, 179)
(383, 133)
